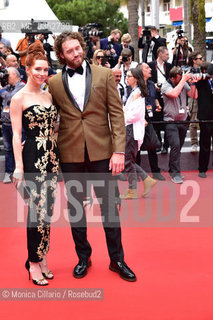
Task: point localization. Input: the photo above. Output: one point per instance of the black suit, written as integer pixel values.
(85, 148)
(159, 42)
(158, 116)
(153, 66)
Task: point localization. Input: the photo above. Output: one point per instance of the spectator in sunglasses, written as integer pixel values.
(99, 54)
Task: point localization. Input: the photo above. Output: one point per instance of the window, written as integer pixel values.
(148, 5)
(166, 5)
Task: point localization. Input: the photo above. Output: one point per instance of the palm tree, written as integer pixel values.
(199, 23)
(133, 25)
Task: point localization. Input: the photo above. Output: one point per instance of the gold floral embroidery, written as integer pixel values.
(41, 124)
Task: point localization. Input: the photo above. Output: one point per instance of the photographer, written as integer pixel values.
(175, 91)
(2, 55)
(126, 39)
(195, 62)
(14, 85)
(181, 51)
(91, 36)
(94, 43)
(43, 37)
(111, 47)
(23, 45)
(125, 63)
(5, 41)
(205, 112)
(150, 41)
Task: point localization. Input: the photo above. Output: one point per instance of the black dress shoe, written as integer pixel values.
(123, 270)
(80, 269)
(158, 176)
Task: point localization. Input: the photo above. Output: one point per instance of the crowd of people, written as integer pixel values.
(101, 108)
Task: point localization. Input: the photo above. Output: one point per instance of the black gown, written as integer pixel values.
(41, 165)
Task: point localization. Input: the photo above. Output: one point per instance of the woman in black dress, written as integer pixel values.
(38, 164)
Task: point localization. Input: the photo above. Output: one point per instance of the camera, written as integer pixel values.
(190, 69)
(4, 77)
(95, 33)
(180, 32)
(146, 32)
(196, 72)
(113, 55)
(90, 30)
(125, 59)
(32, 29)
(104, 60)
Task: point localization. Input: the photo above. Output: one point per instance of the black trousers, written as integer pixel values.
(83, 174)
(153, 160)
(206, 132)
(176, 134)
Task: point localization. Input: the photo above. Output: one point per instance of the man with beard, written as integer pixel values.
(87, 98)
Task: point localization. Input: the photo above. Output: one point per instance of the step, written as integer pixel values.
(188, 161)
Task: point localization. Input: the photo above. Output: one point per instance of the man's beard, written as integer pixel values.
(75, 64)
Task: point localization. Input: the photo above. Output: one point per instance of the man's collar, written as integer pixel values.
(160, 64)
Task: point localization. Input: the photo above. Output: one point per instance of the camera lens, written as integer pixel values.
(125, 58)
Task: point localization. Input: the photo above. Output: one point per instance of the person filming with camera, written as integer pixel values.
(111, 47)
(195, 62)
(205, 112)
(175, 91)
(151, 44)
(181, 51)
(14, 84)
(125, 63)
(23, 45)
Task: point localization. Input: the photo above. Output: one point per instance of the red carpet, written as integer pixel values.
(173, 260)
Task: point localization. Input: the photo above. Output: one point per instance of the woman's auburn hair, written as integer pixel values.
(35, 52)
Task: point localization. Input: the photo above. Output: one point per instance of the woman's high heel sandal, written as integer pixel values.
(40, 282)
(47, 274)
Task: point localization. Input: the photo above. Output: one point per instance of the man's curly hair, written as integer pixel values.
(66, 35)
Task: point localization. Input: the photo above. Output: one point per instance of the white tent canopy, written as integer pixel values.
(18, 11)
(26, 9)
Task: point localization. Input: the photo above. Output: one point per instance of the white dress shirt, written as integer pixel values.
(161, 73)
(77, 86)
